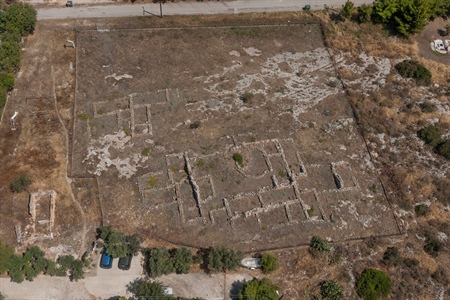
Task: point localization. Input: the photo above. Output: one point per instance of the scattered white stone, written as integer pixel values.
(119, 77)
(252, 51)
(235, 53)
(99, 154)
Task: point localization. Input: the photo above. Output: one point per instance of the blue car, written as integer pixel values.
(106, 261)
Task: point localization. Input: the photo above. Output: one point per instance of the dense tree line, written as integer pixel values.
(17, 20)
(405, 17)
(33, 262)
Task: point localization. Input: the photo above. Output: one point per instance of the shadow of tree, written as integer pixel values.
(235, 289)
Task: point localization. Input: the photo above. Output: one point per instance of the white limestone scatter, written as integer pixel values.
(99, 154)
(252, 51)
(119, 77)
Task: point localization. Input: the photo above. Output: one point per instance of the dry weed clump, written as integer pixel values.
(439, 71)
(347, 74)
(392, 48)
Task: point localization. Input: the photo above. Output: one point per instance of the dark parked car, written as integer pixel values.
(69, 4)
(125, 262)
(106, 261)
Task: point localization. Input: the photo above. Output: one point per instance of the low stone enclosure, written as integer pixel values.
(160, 132)
(41, 208)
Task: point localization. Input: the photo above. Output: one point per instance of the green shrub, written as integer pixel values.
(347, 10)
(391, 257)
(269, 263)
(7, 81)
(9, 56)
(145, 151)
(221, 259)
(246, 97)
(430, 135)
(20, 183)
(158, 262)
(432, 246)
(182, 260)
(331, 290)
(427, 107)
(237, 157)
(3, 96)
(413, 69)
(6, 252)
(373, 284)
(195, 125)
(21, 17)
(443, 149)
(364, 13)
(319, 244)
(422, 210)
(142, 288)
(259, 289)
(440, 275)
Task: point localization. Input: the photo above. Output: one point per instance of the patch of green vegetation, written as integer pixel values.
(247, 117)
(373, 188)
(318, 244)
(373, 284)
(127, 131)
(174, 170)
(195, 125)
(259, 289)
(427, 107)
(443, 149)
(200, 162)
(331, 290)
(20, 183)
(145, 151)
(282, 173)
(237, 157)
(432, 246)
(310, 211)
(83, 116)
(430, 135)
(422, 210)
(269, 263)
(151, 182)
(222, 259)
(246, 97)
(413, 69)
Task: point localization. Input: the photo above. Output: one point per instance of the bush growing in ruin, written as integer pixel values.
(20, 183)
(318, 244)
(237, 157)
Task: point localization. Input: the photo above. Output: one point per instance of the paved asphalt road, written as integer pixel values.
(186, 8)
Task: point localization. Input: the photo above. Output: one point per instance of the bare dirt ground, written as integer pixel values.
(433, 32)
(136, 132)
(149, 119)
